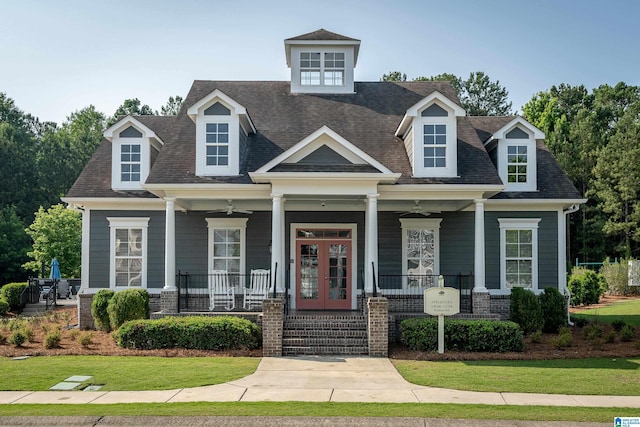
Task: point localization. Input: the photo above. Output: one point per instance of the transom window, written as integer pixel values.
(130, 163)
(318, 68)
(517, 163)
(128, 252)
(519, 250)
(435, 145)
(217, 144)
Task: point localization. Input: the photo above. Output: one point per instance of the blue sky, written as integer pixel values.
(60, 56)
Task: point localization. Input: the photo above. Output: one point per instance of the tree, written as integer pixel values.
(455, 81)
(394, 76)
(56, 232)
(131, 107)
(172, 107)
(14, 243)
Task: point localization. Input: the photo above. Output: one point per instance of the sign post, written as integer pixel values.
(441, 301)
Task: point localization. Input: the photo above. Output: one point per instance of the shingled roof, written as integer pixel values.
(322, 35)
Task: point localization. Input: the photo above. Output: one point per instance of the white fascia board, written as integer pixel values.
(438, 191)
(518, 120)
(324, 130)
(324, 184)
(212, 191)
(343, 43)
(116, 203)
(131, 121)
(531, 204)
(217, 94)
(412, 112)
(274, 177)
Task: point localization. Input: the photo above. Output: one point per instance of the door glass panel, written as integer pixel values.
(309, 271)
(338, 272)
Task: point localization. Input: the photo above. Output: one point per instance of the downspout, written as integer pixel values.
(566, 212)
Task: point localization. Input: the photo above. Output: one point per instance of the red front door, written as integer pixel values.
(324, 274)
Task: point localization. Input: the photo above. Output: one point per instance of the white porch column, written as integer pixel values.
(170, 245)
(371, 241)
(84, 260)
(479, 260)
(562, 251)
(277, 241)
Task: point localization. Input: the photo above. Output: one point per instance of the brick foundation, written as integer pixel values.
(500, 305)
(168, 301)
(272, 325)
(481, 302)
(85, 319)
(378, 326)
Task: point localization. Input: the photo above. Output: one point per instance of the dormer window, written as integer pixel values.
(435, 145)
(317, 67)
(131, 152)
(517, 159)
(222, 127)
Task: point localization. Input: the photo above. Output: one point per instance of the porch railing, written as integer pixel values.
(409, 287)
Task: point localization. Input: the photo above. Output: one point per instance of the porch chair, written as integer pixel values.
(258, 289)
(220, 291)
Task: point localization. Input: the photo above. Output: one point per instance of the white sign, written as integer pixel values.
(442, 301)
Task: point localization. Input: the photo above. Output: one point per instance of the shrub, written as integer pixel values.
(563, 340)
(610, 337)
(536, 337)
(52, 340)
(86, 339)
(554, 311)
(99, 309)
(17, 338)
(4, 306)
(616, 276)
(27, 330)
(196, 332)
(586, 286)
(593, 331)
(11, 293)
(73, 334)
(463, 335)
(618, 324)
(525, 310)
(580, 321)
(130, 304)
(627, 333)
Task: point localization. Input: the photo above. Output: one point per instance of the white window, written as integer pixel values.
(128, 252)
(217, 144)
(130, 162)
(227, 247)
(435, 145)
(420, 252)
(519, 253)
(516, 164)
(517, 160)
(322, 68)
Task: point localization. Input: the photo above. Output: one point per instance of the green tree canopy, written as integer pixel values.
(394, 76)
(56, 232)
(131, 107)
(13, 243)
(172, 107)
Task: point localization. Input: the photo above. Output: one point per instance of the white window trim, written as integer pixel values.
(347, 77)
(228, 224)
(531, 184)
(518, 224)
(451, 147)
(423, 224)
(233, 168)
(145, 160)
(119, 223)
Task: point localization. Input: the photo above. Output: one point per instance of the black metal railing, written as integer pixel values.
(414, 285)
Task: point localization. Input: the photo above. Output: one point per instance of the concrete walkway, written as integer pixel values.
(317, 379)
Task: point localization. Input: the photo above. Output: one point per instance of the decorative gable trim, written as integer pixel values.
(129, 121)
(503, 131)
(330, 138)
(235, 108)
(424, 104)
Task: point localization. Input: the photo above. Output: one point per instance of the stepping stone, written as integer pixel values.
(79, 378)
(65, 386)
(92, 388)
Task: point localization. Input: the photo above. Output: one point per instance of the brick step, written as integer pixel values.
(323, 350)
(328, 333)
(324, 324)
(325, 342)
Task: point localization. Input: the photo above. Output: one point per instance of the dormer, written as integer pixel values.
(516, 154)
(133, 146)
(430, 134)
(322, 62)
(222, 127)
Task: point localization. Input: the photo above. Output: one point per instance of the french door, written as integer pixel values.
(324, 274)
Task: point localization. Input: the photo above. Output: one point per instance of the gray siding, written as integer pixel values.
(434, 111)
(217, 109)
(324, 156)
(99, 247)
(547, 247)
(130, 132)
(517, 133)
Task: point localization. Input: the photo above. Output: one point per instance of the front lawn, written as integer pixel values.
(628, 311)
(604, 376)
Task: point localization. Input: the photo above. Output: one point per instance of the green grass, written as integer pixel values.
(617, 377)
(124, 373)
(629, 311)
(327, 409)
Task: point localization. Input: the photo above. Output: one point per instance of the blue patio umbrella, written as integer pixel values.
(55, 270)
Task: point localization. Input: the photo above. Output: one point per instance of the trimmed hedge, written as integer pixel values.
(4, 306)
(554, 310)
(586, 286)
(11, 293)
(525, 310)
(193, 332)
(130, 304)
(99, 306)
(462, 335)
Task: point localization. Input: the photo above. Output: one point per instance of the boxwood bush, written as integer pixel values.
(130, 304)
(11, 293)
(193, 332)
(462, 335)
(554, 310)
(4, 306)
(99, 306)
(525, 310)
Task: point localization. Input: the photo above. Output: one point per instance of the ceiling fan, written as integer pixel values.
(416, 209)
(230, 209)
